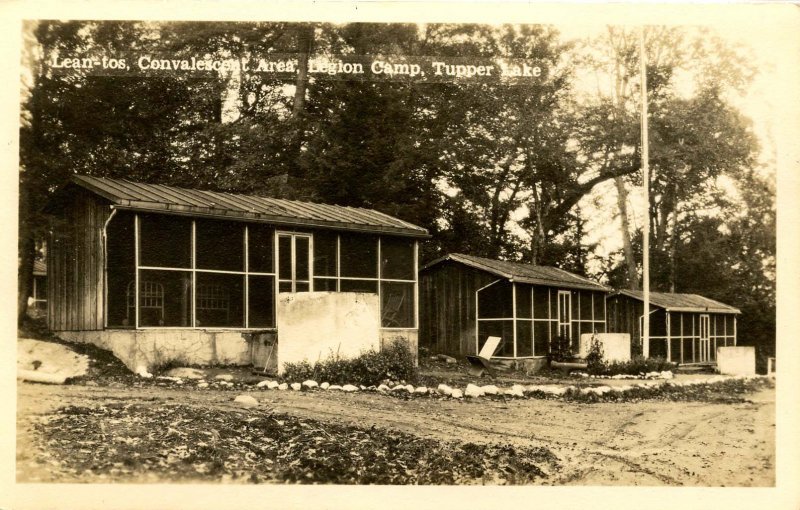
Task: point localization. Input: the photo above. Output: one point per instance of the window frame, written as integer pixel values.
(246, 273)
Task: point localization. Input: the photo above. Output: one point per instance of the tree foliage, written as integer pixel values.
(489, 168)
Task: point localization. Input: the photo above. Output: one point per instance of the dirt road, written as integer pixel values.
(644, 443)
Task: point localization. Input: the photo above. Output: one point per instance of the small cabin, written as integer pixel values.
(158, 273)
(684, 328)
(465, 299)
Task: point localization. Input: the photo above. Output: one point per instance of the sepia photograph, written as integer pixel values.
(305, 250)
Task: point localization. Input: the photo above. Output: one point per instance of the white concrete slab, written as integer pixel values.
(616, 346)
(736, 360)
(314, 325)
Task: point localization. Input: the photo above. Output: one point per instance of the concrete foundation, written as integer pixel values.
(736, 360)
(153, 348)
(312, 325)
(616, 346)
(315, 325)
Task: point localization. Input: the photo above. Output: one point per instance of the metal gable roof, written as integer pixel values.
(126, 194)
(673, 302)
(523, 273)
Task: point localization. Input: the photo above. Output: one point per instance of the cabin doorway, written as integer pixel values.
(564, 314)
(705, 342)
(294, 262)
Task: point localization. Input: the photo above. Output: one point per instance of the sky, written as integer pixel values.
(759, 103)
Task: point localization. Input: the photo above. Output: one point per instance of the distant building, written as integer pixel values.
(684, 328)
(465, 299)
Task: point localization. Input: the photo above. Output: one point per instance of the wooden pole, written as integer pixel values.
(646, 189)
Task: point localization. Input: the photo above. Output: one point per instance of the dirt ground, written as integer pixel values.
(642, 443)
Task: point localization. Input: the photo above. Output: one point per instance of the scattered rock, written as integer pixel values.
(263, 384)
(296, 386)
(325, 385)
(515, 391)
(283, 386)
(457, 394)
(473, 391)
(349, 388)
(383, 388)
(246, 401)
(447, 359)
(310, 384)
(92, 383)
(445, 390)
(272, 385)
(399, 387)
(490, 389)
(421, 390)
(224, 377)
(666, 374)
(141, 371)
(168, 378)
(202, 385)
(334, 387)
(49, 362)
(186, 373)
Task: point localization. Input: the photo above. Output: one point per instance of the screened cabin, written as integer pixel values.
(684, 328)
(138, 258)
(466, 299)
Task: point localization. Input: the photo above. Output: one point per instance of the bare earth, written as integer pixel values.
(644, 443)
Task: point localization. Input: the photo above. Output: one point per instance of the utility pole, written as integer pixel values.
(646, 186)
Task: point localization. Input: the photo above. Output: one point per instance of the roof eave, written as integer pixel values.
(697, 309)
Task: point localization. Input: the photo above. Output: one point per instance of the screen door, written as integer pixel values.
(294, 262)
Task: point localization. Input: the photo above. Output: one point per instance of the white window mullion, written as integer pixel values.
(514, 316)
(416, 284)
(246, 276)
(136, 274)
(293, 257)
(193, 261)
(380, 275)
(338, 263)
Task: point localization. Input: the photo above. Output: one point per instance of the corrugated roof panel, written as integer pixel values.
(677, 302)
(524, 273)
(141, 196)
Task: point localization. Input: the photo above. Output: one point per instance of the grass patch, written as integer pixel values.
(394, 362)
(637, 365)
(730, 391)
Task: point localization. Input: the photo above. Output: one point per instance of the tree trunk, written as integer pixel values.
(673, 249)
(305, 41)
(630, 262)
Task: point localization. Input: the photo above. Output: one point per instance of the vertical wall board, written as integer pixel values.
(447, 307)
(75, 264)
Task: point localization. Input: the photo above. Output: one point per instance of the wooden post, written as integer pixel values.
(646, 189)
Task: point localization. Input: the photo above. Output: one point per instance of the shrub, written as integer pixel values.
(635, 366)
(560, 349)
(394, 362)
(594, 358)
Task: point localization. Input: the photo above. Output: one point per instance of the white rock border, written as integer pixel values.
(473, 391)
